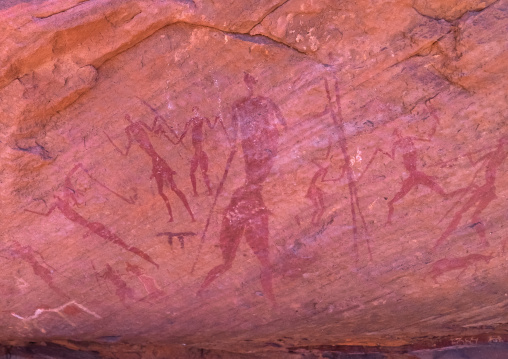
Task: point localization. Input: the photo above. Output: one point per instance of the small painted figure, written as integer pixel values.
(151, 287)
(27, 254)
(67, 199)
(200, 158)
(179, 235)
(123, 291)
(409, 160)
(136, 132)
(481, 196)
(449, 264)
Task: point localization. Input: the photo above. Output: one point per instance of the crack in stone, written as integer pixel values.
(62, 11)
(458, 19)
(271, 11)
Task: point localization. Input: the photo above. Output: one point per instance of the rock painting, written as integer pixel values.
(149, 284)
(347, 169)
(405, 144)
(179, 235)
(479, 196)
(71, 306)
(123, 291)
(67, 198)
(28, 254)
(449, 264)
(136, 133)
(246, 215)
(200, 158)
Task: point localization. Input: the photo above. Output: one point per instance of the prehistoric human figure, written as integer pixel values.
(123, 291)
(409, 160)
(255, 119)
(151, 287)
(314, 192)
(66, 199)
(200, 158)
(481, 196)
(27, 254)
(160, 169)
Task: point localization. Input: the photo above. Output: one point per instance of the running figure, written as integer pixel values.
(247, 214)
(160, 169)
(66, 200)
(200, 158)
(409, 159)
(481, 196)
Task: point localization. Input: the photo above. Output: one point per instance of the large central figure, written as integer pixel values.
(247, 214)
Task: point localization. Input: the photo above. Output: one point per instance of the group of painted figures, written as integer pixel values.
(254, 124)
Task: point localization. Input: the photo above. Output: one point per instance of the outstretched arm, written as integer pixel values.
(129, 143)
(185, 130)
(158, 129)
(50, 210)
(378, 150)
(344, 167)
(278, 115)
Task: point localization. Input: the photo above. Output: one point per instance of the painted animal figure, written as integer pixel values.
(449, 264)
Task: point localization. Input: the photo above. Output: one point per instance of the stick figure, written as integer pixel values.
(246, 214)
(160, 169)
(67, 198)
(481, 196)
(200, 158)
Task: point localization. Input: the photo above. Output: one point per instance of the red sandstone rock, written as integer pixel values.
(350, 199)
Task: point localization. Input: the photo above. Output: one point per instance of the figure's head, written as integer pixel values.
(195, 111)
(249, 80)
(128, 118)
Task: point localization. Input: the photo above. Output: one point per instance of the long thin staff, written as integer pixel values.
(220, 111)
(219, 190)
(130, 201)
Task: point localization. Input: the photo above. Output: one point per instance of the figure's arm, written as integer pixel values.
(481, 159)
(279, 115)
(158, 129)
(344, 167)
(44, 261)
(129, 143)
(209, 123)
(50, 210)
(185, 130)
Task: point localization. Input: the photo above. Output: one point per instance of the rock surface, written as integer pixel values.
(287, 178)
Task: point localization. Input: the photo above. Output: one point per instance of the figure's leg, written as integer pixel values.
(203, 163)
(229, 238)
(429, 182)
(406, 187)
(321, 205)
(256, 234)
(193, 168)
(479, 226)
(455, 221)
(102, 231)
(315, 212)
(160, 188)
(180, 194)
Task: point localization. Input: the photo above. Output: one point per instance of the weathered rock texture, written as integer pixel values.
(289, 178)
